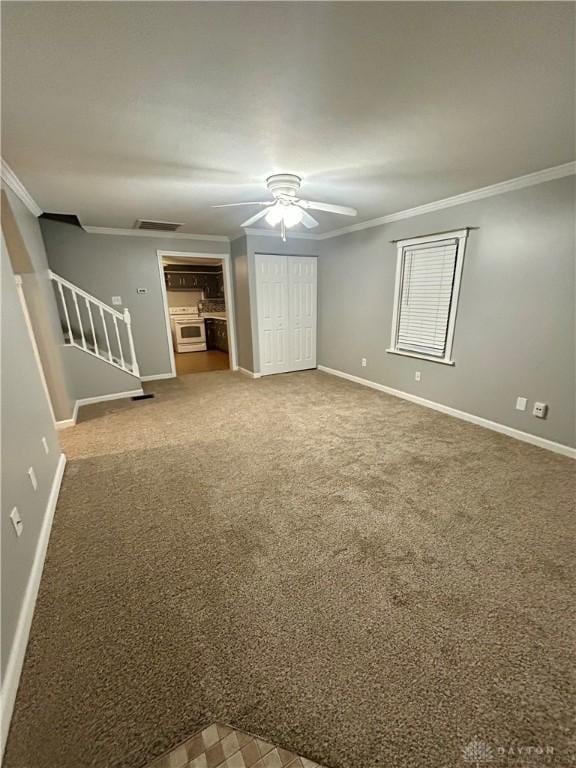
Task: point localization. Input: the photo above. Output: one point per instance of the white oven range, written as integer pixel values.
(188, 331)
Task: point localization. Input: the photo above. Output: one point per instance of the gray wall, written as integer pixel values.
(241, 278)
(28, 256)
(91, 377)
(25, 420)
(116, 265)
(294, 246)
(515, 323)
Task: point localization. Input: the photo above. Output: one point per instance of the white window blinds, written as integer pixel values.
(426, 294)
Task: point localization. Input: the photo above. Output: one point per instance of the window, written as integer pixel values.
(428, 274)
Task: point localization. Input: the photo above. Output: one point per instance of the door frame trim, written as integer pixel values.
(228, 298)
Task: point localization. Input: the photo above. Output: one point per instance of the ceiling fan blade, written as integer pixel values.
(308, 221)
(252, 202)
(342, 209)
(255, 218)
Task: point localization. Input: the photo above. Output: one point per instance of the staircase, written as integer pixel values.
(94, 327)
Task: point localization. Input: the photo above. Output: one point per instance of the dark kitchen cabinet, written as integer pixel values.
(194, 282)
(222, 335)
(210, 333)
(214, 286)
(211, 283)
(174, 281)
(183, 281)
(219, 286)
(216, 334)
(210, 287)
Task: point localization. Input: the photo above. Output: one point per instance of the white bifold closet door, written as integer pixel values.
(286, 309)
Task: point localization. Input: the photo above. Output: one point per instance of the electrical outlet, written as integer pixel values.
(33, 479)
(17, 521)
(45, 446)
(364, 362)
(417, 376)
(540, 410)
(521, 403)
(117, 300)
(141, 290)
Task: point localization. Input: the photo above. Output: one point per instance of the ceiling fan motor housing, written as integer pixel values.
(283, 184)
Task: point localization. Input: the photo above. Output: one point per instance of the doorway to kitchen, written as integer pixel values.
(198, 311)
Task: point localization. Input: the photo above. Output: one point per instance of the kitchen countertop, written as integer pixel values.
(215, 315)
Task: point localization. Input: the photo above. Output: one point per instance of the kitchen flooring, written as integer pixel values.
(220, 746)
(200, 362)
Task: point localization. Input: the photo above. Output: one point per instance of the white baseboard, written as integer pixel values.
(113, 396)
(246, 372)
(65, 423)
(157, 376)
(526, 437)
(18, 650)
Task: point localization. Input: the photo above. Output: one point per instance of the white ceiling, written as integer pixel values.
(123, 110)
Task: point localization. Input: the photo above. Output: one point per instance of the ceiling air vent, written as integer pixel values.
(157, 226)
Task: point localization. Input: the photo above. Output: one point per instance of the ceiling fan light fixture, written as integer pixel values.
(284, 212)
(274, 215)
(286, 208)
(292, 215)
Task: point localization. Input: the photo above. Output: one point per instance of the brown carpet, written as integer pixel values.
(351, 576)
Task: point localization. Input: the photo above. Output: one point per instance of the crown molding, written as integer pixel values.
(10, 178)
(156, 235)
(529, 180)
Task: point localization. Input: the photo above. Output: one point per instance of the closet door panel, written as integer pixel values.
(273, 314)
(302, 289)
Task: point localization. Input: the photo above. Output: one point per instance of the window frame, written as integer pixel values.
(461, 236)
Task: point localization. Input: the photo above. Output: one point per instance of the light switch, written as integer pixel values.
(117, 300)
(521, 403)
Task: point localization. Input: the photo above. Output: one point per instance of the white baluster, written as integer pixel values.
(70, 339)
(119, 342)
(128, 321)
(106, 333)
(96, 350)
(79, 318)
(132, 365)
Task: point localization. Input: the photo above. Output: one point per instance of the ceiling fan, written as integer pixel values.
(286, 209)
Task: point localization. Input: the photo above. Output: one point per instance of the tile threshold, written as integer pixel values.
(222, 746)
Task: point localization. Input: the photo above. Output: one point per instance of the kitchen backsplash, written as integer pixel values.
(212, 305)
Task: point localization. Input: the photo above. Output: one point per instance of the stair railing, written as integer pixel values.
(93, 326)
